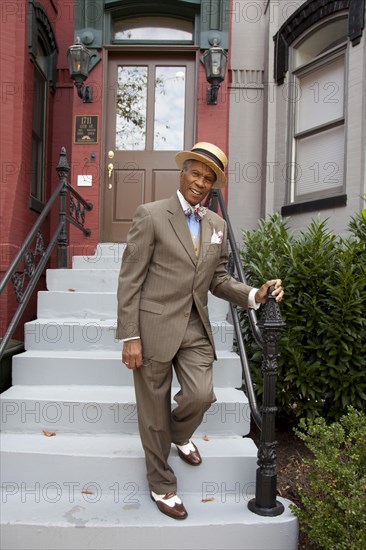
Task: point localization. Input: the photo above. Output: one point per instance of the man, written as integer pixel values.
(170, 263)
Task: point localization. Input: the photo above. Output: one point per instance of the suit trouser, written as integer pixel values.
(159, 426)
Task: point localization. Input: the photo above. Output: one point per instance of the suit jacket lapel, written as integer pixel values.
(206, 233)
(180, 227)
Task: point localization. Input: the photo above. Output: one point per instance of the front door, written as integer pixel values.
(150, 116)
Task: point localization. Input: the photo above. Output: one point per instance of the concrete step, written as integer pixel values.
(98, 261)
(101, 367)
(106, 409)
(70, 303)
(107, 460)
(56, 304)
(128, 520)
(82, 280)
(106, 255)
(70, 333)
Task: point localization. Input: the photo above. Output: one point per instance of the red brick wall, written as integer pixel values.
(83, 164)
(16, 135)
(213, 120)
(16, 132)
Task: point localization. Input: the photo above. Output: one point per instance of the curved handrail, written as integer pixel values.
(75, 215)
(267, 333)
(216, 199)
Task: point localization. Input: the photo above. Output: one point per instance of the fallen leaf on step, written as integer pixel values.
(206, 438)
(71, 289)
(210, 499)
(49, 434)
(88, 492)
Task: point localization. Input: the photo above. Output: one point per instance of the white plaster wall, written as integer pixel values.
(252, 115)
(246, 114)
(258, 122)
(338, 218)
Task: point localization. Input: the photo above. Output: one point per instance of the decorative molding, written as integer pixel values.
(305, 17)
(39, 25)
(214, 23)
(246, 78)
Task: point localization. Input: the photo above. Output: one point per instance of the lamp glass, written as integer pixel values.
(215, 64)
(78, 61)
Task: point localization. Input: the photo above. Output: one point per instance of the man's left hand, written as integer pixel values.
(261, 294)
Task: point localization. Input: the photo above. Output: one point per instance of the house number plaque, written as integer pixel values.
(86, 129)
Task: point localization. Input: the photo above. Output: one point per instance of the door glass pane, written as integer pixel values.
(170, 85)
(153, 28)
(131, 108)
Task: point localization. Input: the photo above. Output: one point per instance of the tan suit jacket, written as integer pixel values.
(161, 277)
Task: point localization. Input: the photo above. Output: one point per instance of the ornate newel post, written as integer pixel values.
(63, 170)
(271, 324)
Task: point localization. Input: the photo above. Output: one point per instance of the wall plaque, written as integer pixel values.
(86, 129)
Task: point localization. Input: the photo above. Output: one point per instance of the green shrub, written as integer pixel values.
(322, 366)
(333, 503)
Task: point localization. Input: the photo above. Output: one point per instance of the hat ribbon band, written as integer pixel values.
(211, 156)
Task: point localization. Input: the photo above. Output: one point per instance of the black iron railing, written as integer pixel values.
(266, 333)
(26, 279)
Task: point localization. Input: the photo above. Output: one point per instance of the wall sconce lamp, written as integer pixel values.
(214, 60)
(78, 58)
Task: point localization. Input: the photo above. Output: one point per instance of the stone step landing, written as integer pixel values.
(130, 520)
(106, 409)
(107, 461)
(101, 367)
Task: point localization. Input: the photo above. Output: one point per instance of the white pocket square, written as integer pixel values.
(216, 238)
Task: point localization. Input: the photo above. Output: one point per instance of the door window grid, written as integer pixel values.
(132, 104)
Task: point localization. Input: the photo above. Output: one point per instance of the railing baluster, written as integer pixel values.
(266, 333)
(271, 324)
(63, 170)
(60, 236)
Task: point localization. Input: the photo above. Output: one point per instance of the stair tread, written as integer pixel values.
(116, 445)
(133, 510)
(100, 353)
(100, 394)
(102, 321)
(68, 292)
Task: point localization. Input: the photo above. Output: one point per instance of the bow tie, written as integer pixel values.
(198, 211)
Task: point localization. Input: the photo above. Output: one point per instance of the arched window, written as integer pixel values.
(311, 60)
(153, 29)
(42, 48)
(316, 96)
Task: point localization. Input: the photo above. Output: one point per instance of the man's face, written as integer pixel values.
(196, 182)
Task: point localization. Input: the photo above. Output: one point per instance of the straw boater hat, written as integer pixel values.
(210, 155)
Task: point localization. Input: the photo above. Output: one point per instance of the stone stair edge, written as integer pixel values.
(70, 392)
(100, 354)
(129, 445)
(151, 516)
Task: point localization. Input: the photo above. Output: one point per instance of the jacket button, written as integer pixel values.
(186, 314)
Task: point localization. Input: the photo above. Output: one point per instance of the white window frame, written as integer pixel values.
(322, 60)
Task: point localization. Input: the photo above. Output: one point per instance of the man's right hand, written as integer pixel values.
(132, 354)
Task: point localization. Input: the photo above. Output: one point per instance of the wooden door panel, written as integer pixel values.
(165, 182)
(129, 193)
(140, 146)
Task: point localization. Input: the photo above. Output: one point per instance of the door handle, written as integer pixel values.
(110, 170)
